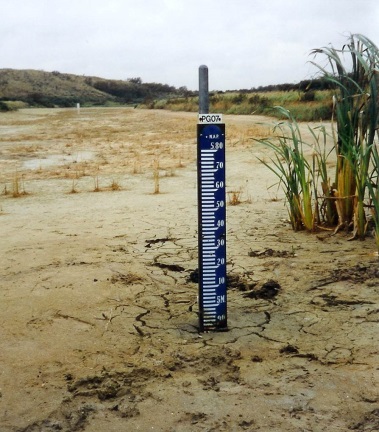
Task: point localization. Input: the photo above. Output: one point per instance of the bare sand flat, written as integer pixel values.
(98, 308)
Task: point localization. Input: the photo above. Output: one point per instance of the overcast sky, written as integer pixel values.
(244, 43)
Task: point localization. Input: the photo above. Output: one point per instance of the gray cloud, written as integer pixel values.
(245, 43)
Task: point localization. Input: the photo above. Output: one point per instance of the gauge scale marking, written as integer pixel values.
(212, 227)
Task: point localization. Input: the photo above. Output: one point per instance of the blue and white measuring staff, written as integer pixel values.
(212, 222)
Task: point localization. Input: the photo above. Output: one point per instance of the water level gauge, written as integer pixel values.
(212, 223)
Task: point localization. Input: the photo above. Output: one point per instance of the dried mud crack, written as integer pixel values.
(357, 273)
(99, 313)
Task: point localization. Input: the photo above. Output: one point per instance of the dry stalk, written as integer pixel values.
(97, 186)
(156, 176)
(136, 166)
(73, 187)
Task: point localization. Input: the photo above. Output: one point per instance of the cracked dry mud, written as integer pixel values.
(99, 297)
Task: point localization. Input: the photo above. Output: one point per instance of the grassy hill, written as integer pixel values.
(304, 106)
(307, 100)
(39, 88)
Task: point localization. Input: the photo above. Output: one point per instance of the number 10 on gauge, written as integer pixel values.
(212, 226)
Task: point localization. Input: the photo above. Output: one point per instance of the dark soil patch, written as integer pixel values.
(289, 349)
(193, 276)
(359, 273)
(268, 291)
(69, 417)
(332, 300)
(171, 267)
(271, 253)
(109, 385)
(126, 279)
(370, 422)
(158, 240)
(239, 283)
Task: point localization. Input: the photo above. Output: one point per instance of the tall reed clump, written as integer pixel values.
(372, 185)
(354, 185)
(294, 172)
(355, 120)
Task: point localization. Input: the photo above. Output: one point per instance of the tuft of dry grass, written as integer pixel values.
(136, 166)
(170, 172)
(156, 176)
(180, 158)
(97, 186)
(74, 185)
(5, 190)
(124, 144)
(115, 185)
(18, 186)
(234, 197)
(126, 279)
(15, 186)
(239, 196)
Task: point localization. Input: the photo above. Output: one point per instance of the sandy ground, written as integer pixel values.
(98, 313)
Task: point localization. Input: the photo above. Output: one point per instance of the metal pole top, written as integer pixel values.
(203, 90)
